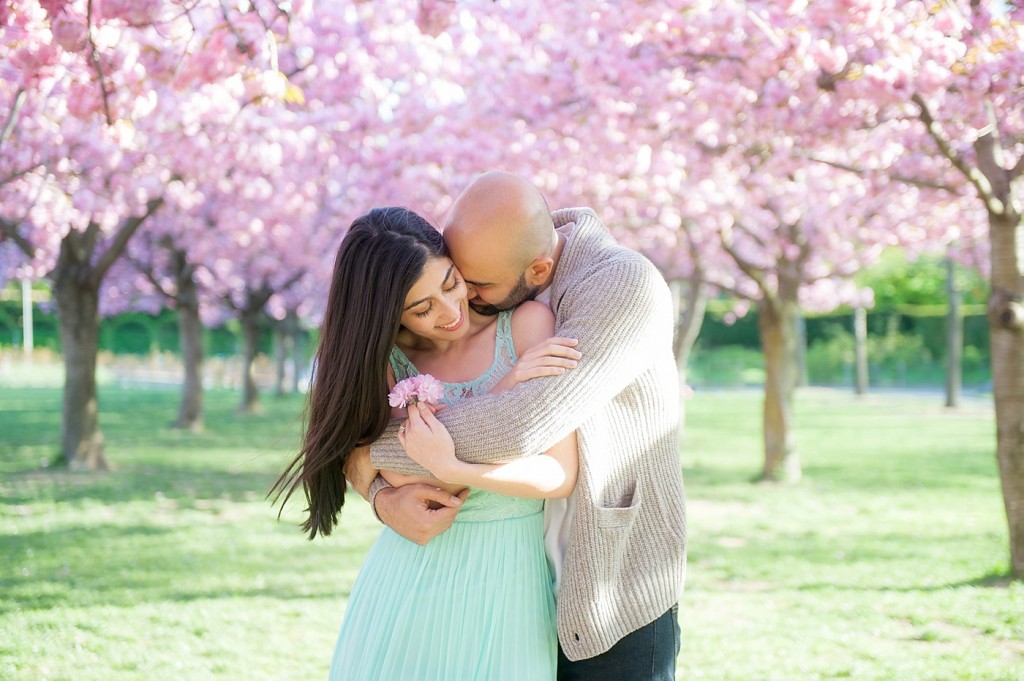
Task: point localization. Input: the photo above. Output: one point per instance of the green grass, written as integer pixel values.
(888, 562)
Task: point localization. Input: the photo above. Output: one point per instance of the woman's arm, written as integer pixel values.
(548, 475)
(396, 479)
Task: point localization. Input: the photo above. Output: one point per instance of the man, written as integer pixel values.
(618, 544)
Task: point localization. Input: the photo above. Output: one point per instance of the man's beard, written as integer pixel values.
(518, 294)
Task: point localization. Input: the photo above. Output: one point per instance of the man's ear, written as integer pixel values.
(539, 271)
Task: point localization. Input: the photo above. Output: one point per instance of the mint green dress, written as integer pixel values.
(475, 603)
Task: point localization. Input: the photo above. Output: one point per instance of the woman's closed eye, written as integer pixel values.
(455, 284)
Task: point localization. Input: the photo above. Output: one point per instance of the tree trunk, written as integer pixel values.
(77, 298)
(690, 300)
(802, 377)
(282, 345)
(995, 186)
(27, 325)
(250, 338)
(860, 350)
(777, 322)
(954, 337)
(1006, 330)
(298, 364)
(288, 351)
(190, 331)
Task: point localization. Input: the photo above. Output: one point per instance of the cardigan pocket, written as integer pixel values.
(619, 516)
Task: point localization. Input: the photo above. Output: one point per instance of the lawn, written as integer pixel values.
(888, 562)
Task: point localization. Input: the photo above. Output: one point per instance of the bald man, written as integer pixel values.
(617, 546)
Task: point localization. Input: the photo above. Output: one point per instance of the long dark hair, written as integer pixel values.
(379, 260)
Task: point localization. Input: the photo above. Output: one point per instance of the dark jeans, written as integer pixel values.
(648, 654)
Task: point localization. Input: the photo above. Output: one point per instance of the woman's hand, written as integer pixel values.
(400, 412)
(552, 357)
(427, 442)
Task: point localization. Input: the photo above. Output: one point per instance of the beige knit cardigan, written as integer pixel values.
(626, 561)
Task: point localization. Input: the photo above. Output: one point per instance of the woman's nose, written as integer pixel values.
(452, 306)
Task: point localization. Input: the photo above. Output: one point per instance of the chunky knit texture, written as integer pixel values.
(626, 561)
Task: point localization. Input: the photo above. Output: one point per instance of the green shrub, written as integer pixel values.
(728, 365)
(830, 361)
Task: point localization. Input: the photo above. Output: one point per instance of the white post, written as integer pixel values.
(26, 318)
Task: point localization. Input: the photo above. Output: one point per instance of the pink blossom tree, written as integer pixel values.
(692, 128)
(944, 83)
(94, 94)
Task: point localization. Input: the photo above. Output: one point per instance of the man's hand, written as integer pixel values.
(418, 512)
(552, 357)
(360, 472)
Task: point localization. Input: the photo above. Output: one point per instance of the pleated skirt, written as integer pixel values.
(475, 603)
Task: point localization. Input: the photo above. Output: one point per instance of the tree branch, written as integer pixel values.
(240, 44)
(9, 230)
(975, 176)
(147, 272)
(12, 116)
(725, 288)
(117, 245)
(745, 266)
(291, 281)
(1017, 169)
(94, 55)
(18, 173)
(906, 179)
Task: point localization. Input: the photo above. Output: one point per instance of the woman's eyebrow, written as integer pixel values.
(447, 275)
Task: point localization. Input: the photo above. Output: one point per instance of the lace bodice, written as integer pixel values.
(481, 505)
(504, 359)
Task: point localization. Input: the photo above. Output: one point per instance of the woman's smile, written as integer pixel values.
(455, 324)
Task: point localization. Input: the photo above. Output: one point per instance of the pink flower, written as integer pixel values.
(402, 393)
(422, 388)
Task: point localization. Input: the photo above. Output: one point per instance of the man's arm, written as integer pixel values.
(418, 512)
(621, 318)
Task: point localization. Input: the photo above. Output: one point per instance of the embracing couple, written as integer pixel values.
(535, 518)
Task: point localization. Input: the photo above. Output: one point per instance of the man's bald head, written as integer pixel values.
(504, 212)
(499, 228)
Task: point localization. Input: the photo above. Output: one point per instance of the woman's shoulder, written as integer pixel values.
(532, 322)
(532, 312)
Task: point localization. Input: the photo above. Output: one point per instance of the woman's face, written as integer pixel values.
(436, 306)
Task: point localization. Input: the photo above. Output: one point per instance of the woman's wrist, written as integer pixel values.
(455, 472)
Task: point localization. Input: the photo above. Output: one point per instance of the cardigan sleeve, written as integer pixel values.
(620, 311)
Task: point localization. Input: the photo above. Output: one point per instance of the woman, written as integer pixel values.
(476, 602)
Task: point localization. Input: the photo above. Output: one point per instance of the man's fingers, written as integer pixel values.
(442, 497)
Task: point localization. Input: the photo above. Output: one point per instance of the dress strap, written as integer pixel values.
(401, 365)
(504, 349)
